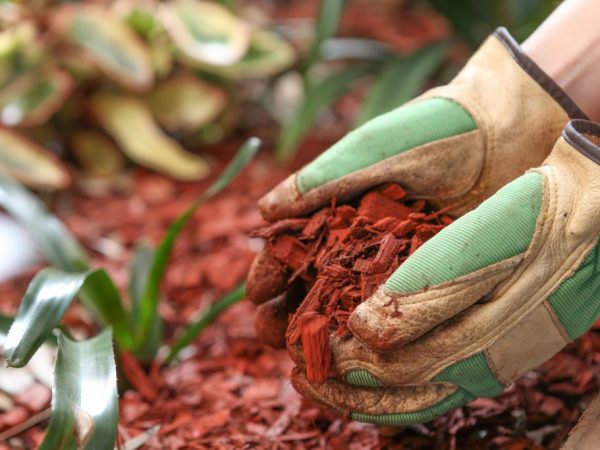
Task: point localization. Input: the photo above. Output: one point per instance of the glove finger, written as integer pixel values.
(463, 264)
(267, 278)
(383, 406)
(416, 145)
(272, 317)
(270, 322)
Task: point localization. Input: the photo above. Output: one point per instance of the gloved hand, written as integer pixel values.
(454, 146)
(493, 295)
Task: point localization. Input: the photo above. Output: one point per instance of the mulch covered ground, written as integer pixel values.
(229, 390)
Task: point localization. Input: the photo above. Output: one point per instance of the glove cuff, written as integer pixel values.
(538, 75)
(584, 136)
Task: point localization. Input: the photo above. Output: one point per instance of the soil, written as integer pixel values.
(340, 255)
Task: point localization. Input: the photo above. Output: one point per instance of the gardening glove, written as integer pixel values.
(586, 434)
(493, 295)
(454, 146)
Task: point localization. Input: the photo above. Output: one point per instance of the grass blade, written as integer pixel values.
(138, 280)
(326, 26)
(56, 242)
(100, 295)
(206, 319)
(84, 404)
(317, 97)
(401, 79)
(149, 302)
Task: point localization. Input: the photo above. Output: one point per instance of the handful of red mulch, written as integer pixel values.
(342, 254)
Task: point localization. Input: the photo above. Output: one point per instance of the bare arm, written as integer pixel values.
(567, 47)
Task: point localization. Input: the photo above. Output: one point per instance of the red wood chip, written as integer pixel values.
(315, 343)
(136, 376)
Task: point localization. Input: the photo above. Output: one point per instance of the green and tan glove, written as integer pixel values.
(455, 145)
(493, 295)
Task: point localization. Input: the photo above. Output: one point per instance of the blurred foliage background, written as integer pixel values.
(94, 83)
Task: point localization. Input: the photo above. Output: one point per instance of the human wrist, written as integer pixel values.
(566, 47)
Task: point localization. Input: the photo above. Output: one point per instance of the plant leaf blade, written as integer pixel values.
(129, 121)
(268, 55)
(101, 296)
(401, 78)
(30, 163)
(208, 317)
(205, 32)
(47, 298)
(148, 311)
(138, 280)
(317, 97)
(32, 99)
(98, 155)
(45, 302)
(84, 404)
(56, 242)
(327, 24)
(107, 41)
(186, 103)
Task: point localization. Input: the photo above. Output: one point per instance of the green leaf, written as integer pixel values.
(268, 55)
(33, 98)
(56, 242)
(471, 19)
(142, 18)
(96, 153)
(45, 302)
(317, 97)
(5, 323)
(84, 405)
(205, 32)
(20, 51)
(185, 103)
(149, 301)
(100, 295)
(327, 25)
(108, 42)
(30, 163)
(334, 49)
(204, 320)
(138, 280)
(161, 54)
(129, 121)
(401, 79)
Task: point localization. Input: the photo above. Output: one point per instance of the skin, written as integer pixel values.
(567, 47)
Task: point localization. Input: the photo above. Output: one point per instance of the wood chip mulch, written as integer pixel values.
(230, 391)
(340, 255)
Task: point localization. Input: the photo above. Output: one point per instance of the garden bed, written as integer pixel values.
(231, 391)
